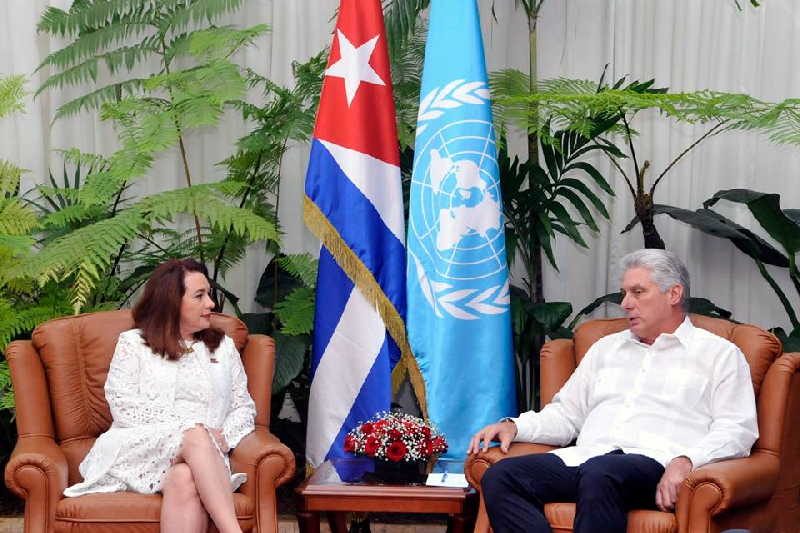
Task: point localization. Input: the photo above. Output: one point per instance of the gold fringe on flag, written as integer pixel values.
(363, 278)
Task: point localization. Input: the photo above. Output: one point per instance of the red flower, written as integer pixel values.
(349, 444)
(394, 434)
(371, 446)
(396, 451)
(426, 431)
(439, 445)
(427, 448)
(366, 428)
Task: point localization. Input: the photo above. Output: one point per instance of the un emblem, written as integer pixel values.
(458, 225)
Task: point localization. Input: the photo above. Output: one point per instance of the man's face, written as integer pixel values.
(650, 312)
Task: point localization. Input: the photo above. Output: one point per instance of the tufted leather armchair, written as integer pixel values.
(760, 492)
(58, 381)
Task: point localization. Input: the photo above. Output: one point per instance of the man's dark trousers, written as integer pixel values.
(604, 488)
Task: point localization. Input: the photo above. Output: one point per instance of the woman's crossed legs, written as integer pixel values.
(198, 487)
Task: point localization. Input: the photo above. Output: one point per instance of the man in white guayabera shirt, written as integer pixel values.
(645, 407)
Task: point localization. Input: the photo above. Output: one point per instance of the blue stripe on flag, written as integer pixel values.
(358, 223)
(333, 288)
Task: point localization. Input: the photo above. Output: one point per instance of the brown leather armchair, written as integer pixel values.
(58, 381)
(760, 492)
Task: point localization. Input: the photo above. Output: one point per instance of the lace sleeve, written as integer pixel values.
(240, 418)
(129, 407)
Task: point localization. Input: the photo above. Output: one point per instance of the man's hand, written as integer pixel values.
(667, 489)
(504, 432)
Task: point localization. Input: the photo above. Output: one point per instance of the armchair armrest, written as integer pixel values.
(477, 464)
(37, 472)
(263, 458)
(268, 464)
(718, 487)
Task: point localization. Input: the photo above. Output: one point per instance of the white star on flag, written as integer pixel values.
(353, 65)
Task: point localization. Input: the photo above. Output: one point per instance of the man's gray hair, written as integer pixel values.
(665, 269)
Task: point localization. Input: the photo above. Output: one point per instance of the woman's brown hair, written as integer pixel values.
(158, 312)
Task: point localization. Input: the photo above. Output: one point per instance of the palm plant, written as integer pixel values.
(720, 112)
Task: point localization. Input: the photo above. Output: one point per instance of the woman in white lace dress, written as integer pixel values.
(178, 397)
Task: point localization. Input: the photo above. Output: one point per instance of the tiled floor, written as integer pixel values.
(287, 524)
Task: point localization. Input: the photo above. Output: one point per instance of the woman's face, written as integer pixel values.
(196, 304)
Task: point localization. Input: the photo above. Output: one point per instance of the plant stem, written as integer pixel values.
(787, 306)
(246, 194)
(629, 137)
(713, 131)
(621, 171)
(182, 146)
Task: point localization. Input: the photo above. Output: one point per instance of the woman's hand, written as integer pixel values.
(221, 442)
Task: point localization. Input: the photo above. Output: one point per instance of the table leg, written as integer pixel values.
(456, 523)
(308, 521)
(338, 521)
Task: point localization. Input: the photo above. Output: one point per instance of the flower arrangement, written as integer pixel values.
(395, 437)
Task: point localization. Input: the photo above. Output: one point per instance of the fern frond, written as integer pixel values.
(86, 250)
(16, 320)
(786, 129)
(98, 97)
(87, 16)
(199, 11)
(9, 177)
(146, 125)
(296, 311)
(301, 266)
(81, 73)
(222, 42)
(13, 245)
(70, 215)
(16, 218)
(12, 92)
(567, 85)
(203, 201)
(199, 94)
(82, 51)
(75, 156)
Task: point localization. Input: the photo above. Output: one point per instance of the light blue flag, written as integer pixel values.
(458, 319)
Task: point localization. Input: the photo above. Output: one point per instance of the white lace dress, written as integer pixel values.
(153, 401)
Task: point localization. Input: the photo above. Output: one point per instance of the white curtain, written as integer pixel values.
(685, 45)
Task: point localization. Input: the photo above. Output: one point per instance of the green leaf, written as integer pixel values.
(586, 191)
(12, 92)
(551, 314)
(581, 207)
(594, 173)
(290, 360)
(296, 312)
(703, 306)
(569, 226)
(614, 297)
(552, 161)
(301, 266)
(543, 235)
(717, 225)
(98, 97)
(767, 210)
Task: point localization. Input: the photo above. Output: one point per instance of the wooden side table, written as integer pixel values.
(337, 498)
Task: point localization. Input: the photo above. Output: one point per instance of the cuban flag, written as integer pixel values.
(459, 320)
(354, 204)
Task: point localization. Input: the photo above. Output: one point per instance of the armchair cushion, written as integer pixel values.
(126, 509)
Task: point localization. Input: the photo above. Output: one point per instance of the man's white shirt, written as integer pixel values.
(689, 393)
